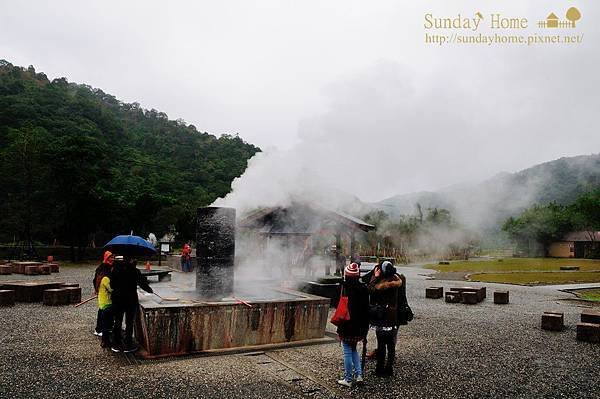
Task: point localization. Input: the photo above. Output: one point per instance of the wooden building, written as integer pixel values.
(576, 244)
(300, 230)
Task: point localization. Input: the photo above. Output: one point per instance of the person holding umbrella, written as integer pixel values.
(354, 330)
(124, 282)
(125, 279)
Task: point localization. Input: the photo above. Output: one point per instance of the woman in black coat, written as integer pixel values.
(356, 329)
(384, 287)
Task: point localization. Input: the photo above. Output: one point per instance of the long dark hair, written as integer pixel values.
(105, 270)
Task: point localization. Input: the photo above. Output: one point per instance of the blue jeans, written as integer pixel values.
(351, 358)
(186, 265)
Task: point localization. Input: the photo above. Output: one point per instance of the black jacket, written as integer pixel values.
(358, 304)
(124, 282)
(384, 293)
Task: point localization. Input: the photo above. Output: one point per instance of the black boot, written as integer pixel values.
(380, 367)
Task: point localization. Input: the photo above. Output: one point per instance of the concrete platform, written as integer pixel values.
(191, 326)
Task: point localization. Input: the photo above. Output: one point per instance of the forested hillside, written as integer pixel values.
(486, 205)
(77, 165)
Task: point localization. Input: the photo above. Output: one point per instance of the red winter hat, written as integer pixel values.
(352, 270)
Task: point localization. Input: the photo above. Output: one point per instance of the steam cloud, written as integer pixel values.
(391, 130)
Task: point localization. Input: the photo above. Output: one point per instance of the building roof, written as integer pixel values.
(582, 236)
(300, 219)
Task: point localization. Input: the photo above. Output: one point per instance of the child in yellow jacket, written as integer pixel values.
(105, 301)
(105, 305)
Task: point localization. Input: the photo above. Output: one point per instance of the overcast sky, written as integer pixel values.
(346, 92)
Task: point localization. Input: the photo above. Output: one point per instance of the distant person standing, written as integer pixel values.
(104, 269)
(125, 279)
(186, 258)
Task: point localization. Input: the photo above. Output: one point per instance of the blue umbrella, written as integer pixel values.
(130, 245)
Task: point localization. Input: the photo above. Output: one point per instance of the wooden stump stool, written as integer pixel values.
(56, 297)
(7, 298)
(501, 297)
(553, 321)
(74, 294)
(470, 297)
(69, 285)
(30, 270)
(54, 268)
(569, 268)
(479, 291)
(43, 269)
(434, 292)
(6, 269)
(590, 316)
(588, 332)
(453, 297)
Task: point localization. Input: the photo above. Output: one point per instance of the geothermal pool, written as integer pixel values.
(216, 314)
(192, 325)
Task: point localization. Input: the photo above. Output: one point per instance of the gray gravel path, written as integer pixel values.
(448, 351)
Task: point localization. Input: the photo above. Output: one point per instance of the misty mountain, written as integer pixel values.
(487, 204)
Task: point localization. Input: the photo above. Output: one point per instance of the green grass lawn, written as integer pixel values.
(537, 278)
(590, 295)
(526, 271)
(517, 265)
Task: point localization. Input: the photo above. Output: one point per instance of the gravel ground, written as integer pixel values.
(448, 351)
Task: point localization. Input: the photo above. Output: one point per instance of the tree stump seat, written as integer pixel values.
(7, 298)
(434, 292)
(481, 292)
(30, 270)
(43, 269)
(453, 297)
(569, 268)
(69, 285)
(470, 297)
(20, 267)
(590, 316)
(56, 297)
(29, 291)
(501, 297)
(553, 321)
(74, 294)
(588, 332)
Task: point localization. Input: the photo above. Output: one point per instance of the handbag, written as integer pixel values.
(376, 314)
(405, 314)
(342, 313)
